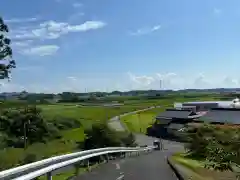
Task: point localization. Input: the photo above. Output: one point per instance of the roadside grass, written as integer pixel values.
(12, 157)
(192, 164)
(76, 135)
(196, 169)
(188, 167)
(69, 173)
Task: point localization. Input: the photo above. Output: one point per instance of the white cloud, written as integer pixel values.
(23, 20)
(53, 30)
(141, 80)
(44, 50)
(72, 78)
(231, 82)
(26, 38)
(129, 81)
(201, 81)
(77, 5)
(166, 76)
(21, 44)
(10, 87)
(146, 30)
(88, 25)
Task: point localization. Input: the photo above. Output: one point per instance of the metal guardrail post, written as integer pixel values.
(88, 166)
(49, 176)
(107, 158)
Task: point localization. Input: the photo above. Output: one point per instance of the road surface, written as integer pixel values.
(150, 166)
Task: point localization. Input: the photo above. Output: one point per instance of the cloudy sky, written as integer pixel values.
(78, 45)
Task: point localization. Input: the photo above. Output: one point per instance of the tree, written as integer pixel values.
(100, 136)
(6, 61)
(129, 140)
(26, 126)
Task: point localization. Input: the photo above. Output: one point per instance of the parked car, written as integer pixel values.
(156, 144)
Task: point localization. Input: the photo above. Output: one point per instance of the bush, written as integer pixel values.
(219, 145)
(129, 140)
(64, 123)
(99, 136)
(29, 158)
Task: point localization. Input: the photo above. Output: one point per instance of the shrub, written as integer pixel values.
(99, 136)
(219, 145)
(129, 140)
(64, 123)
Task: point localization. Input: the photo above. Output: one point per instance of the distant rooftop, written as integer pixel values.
(223, 104)
(174, 113)
(222, 115)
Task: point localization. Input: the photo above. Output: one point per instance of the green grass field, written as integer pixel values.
(87, 115)
(11, 157)
(138, 123)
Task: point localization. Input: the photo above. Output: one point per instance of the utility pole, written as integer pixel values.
(25, 135)
(139, 123)
(161, 84)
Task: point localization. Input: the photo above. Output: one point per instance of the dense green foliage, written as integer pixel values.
(6, 61)
(218, 145)
(28, 135)
(64, 127)
(100, 135)
(22, 126)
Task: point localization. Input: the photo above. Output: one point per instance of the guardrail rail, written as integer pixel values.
(48, 166)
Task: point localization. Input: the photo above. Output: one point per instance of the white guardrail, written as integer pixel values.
(47, 166)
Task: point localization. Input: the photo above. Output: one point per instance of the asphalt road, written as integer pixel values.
(150, 166)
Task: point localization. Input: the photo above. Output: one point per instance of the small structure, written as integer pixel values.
(176, 116)
(202, 106)
(173, 120)
(208, 105)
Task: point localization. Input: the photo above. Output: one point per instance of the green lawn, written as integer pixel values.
(87, 115)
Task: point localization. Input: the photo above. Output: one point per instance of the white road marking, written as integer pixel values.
(120, 177)
(118, 166)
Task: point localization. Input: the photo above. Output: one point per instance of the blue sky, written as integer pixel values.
(73, 45)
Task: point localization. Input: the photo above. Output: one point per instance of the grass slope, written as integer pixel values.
(138, 123)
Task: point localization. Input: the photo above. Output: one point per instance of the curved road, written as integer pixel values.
(152, 166)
